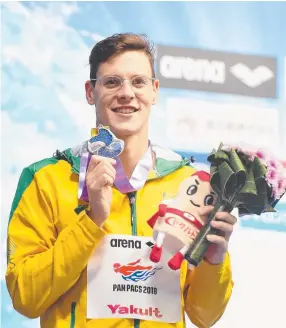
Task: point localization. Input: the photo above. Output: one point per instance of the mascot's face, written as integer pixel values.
(195, 194)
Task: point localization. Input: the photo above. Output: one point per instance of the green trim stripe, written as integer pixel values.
(25, 180)
(165, 167)
(132, 200)
(73, 306)
(73, 160)
(80, 208)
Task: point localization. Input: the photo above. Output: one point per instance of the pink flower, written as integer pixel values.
(281, 186)
(252, 156)
(260, 154)
(272, 163)
(271, 175)
(228, 147)
(275, 174)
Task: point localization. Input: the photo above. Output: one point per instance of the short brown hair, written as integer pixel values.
(117, 44)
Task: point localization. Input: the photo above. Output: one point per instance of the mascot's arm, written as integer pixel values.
(161, 212)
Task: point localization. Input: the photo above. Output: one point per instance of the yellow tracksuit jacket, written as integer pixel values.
(50, 240)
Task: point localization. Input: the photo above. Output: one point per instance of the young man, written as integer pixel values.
(51, 241)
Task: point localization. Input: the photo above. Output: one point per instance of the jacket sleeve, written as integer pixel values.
(207, 291)
(42, 263)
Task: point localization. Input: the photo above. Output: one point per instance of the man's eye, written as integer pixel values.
(111, 82)
(139, 81)
(192, 190)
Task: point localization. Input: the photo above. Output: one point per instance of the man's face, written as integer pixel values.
(196, 194)
(126, 109)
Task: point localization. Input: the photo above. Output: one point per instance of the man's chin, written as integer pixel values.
(124, 130)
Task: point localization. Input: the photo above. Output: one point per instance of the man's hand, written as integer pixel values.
(216, 252)
(100, 177)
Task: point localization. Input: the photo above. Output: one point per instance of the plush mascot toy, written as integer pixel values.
(177, 223)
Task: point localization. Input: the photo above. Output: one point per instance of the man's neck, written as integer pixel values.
(134, 150)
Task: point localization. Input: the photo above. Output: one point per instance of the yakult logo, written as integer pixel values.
(191, 232)
(131, 309)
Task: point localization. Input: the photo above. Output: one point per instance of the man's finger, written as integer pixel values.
(227, 217)
(224, 229)
(102, 170)
(96, 160)
(104, 180)
(218, 240)
(223, 226)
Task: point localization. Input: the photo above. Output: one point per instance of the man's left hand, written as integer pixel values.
(216, 252)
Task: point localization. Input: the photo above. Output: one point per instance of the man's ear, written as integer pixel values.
(89, 93)
(156, 90)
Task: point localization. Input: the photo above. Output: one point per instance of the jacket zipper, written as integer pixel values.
(132, 201)
(72, 323)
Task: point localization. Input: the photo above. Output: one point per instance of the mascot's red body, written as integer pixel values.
(177, 223)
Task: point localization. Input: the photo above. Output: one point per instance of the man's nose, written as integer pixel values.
(126, 91)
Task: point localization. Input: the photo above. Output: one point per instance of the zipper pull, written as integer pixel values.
(132, 201)
(131, 196)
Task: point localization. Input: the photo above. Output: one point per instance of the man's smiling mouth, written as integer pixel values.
(125, 109)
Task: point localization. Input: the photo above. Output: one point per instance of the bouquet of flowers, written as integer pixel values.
(243, 177)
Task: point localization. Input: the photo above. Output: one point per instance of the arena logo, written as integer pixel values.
(215, 71)
(193, 69)
(125, 243)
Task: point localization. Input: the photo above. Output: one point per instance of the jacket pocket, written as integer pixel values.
(72, 322)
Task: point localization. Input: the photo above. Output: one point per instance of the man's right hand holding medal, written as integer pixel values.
(100, 176)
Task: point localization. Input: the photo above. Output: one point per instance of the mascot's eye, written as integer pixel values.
(209, 200)
(192, 190)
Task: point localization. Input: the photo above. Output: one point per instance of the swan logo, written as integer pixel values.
(252, 77)
(135, 271)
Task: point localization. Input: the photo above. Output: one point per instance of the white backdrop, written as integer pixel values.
(259, 276)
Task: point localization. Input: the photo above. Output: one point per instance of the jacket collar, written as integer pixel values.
(167, 161)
